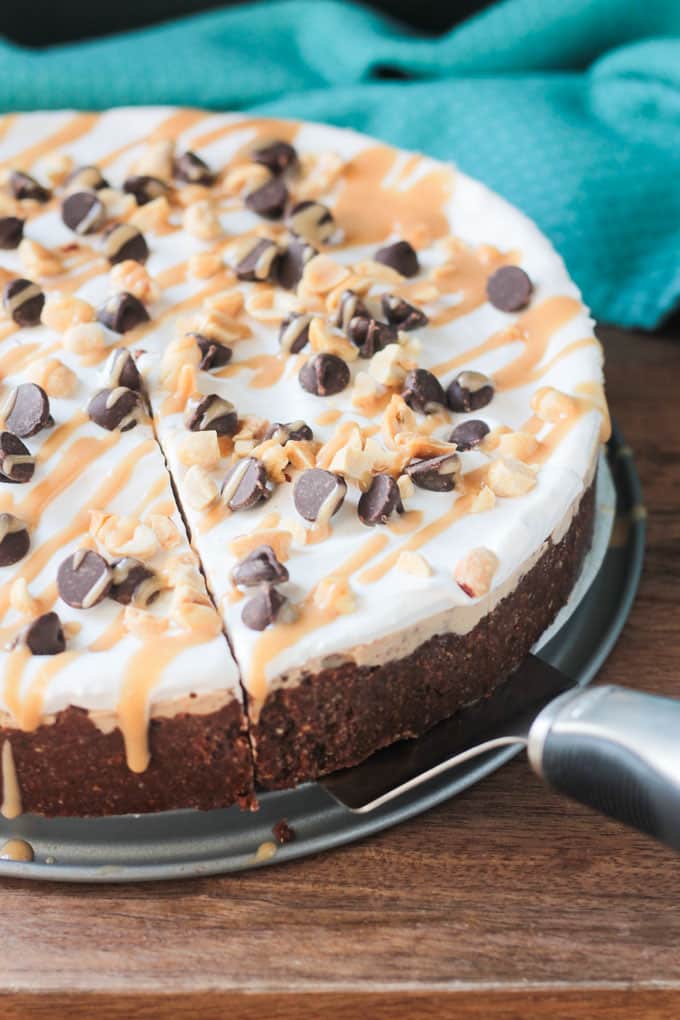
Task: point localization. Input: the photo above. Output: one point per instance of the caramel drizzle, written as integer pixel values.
(534, 330)
(11, 806)
(276, 639)
(142, 675)
(467, 275)
(267, 369)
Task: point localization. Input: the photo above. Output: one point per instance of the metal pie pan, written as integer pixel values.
(183, 844)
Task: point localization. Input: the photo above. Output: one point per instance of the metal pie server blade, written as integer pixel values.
(500, 720)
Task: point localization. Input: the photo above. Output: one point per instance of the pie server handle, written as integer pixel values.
(615, 750)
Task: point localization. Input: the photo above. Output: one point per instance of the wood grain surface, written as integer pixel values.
(507, 902)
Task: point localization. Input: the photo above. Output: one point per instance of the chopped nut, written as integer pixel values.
(301, 453)
(398, 418)
(359, 458)
(552, 405)
(275, 458)
(196, 618)
(86, 340)
(413, 563)
(378, 272)
(200, 489)
(179, 352)
(142, 623)
(153, 215)
(54, 376)
(190, 194)
(61, 311)
(201, 220)
(267, 305)
(246, 178)
(119, 205)
(165, 530)
(324, 339)
(38, 260)
(406, 487)
(509, 477)
(475, 571)
(492, 439)
(132, 277)
(156, 160)
(199, 448)
(520, 445)
(229, 302)
(123, 536)
(390, 365)
(57, 167)
(278, 539)
(219, 326)
(485, 499)
(322, 273)
(334, 594)
(367, 393)
(204, 265)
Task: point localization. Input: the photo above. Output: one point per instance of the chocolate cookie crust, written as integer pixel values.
(338, 717)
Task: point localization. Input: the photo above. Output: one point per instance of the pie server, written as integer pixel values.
(614, 749)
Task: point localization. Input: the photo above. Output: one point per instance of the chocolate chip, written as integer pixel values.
(132, 581)
(311, 220)
(423, 391)
(11, 231)
(319, 494)
(16, 463)
(469, 434)
(258, 567)
(122, 312)
(44, 635)
(291, 263)
(469, 391)
(263, 608)
(283, 832)
(380, 501)
(369, 335)
(144, 188)
(24, 186)
(211, 414)
(125, 241)
(291, 431)
(14, 539)
(294, 333)
(437, 474)
(191, 168)
(276, 156)
(23, 300)
(28, 410)
(245, 484)
(259, 261)
(350, 307)
(83, 579)
(401, 314)
(509, 289)
(324, 375)
(400, 256)
(214, 354)
(269, 200)
(116, 408)
(85, 178)
(83, 212)
(121, 370)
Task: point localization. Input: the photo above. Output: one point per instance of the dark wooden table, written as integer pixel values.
(507, 902)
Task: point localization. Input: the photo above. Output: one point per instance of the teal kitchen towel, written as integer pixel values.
(569, 109)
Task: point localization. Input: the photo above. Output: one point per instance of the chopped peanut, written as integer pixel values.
(200, 489)
(54, 376)
(38, 260)
(510, 477)
(199, 448)
(201, 220)
(134, 278)
(474, 573)
(61, 311)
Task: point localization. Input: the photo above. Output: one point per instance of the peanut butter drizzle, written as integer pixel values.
(262, 130)
(406, 522)
(109, 637)
(11, 806)
(16, 850)
(7, 329)
(37, 560)
(153, 493)
(329, 417)
(534, 329)
(31, 706)
(168, 129)
(415, 211)
(467, 275)
(6, 122)
(18, 358)
(212, 517)
(69, 132)
(593, 395)
(267, 369)
(283, 635)
(73, 282)
(141, 676)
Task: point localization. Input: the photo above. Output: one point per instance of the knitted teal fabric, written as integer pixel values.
(571, 110)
